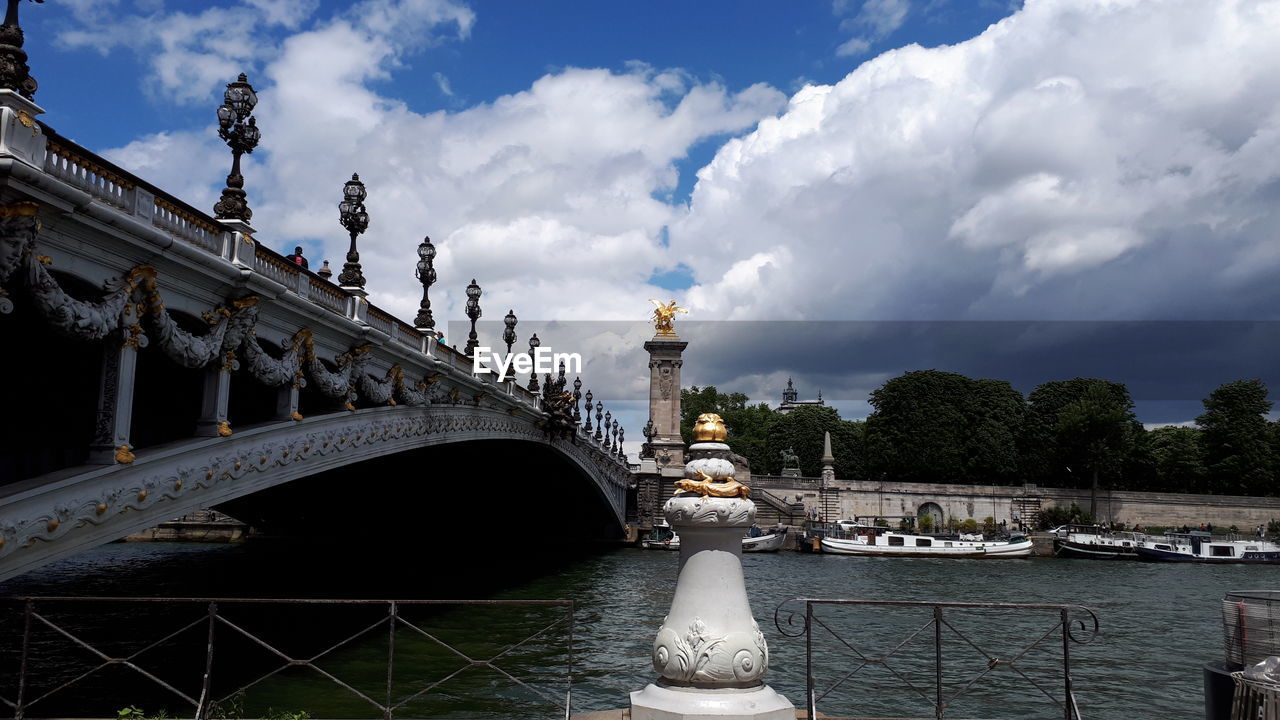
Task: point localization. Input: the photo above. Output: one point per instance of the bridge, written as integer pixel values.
(160, 360)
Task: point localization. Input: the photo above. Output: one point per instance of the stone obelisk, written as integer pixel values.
(709, 652)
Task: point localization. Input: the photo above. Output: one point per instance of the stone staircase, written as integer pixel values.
(773, 510)
(1027, 507)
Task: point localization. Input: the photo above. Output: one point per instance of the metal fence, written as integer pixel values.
(1047, 631)
(196, 652)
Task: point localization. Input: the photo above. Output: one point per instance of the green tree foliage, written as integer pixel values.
(933, 426)
(747, 425)
(1094, 431)
(801, 430)
(1178, 456)
(1098, 432)
(1237, 439)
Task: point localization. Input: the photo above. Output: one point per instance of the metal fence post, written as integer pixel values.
(28, 609)
(391, 657)
(937, 657)
(201, 707)
(808, 660)
(1068, 705)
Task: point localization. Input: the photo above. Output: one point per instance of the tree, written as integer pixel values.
(1237, 440)
(1094, 430)
(747, 425)
(933, 426)
(1051, 453)
(801, 430)
(1178, 455)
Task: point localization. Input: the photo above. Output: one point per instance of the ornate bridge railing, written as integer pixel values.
(939, 654)
(203, 658)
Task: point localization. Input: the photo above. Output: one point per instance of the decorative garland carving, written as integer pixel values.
(699, 657)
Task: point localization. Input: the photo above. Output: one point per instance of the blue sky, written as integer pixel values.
(931, 161)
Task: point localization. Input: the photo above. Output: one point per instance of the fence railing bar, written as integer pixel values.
(437, 640)
(524, 684)
(108, 660)
(877, 661)
(350, 689)
(531, 637)
(433, 686)
(994, 662)
(941, 702)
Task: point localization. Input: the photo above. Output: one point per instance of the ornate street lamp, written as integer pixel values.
(426, 274)
(534, 344)
(599, 420)
(354, 217)
(613, 444)
(607, 414)
(622, 455)
(587, 427)
(509, 335)
(648, 432)
(14, 73)
(473, 312)
(241, 134)
(577, 395)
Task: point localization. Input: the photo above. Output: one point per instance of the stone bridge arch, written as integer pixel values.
(45, 521)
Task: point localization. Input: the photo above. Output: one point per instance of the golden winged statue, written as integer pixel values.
(662, 316)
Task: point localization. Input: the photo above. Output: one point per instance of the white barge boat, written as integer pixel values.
(882, 542)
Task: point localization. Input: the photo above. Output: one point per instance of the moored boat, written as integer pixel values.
(1199, 546)
(882, 542)
(1095, 542)
(765, 542)
(662, 537)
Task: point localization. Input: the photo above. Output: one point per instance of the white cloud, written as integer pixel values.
(874, 21)
(1101, 159)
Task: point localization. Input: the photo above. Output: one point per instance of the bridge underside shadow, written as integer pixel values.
(449, 520)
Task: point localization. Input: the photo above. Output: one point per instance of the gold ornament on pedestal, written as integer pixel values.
(663, 315)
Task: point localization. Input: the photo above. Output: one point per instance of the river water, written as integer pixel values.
(1159, 623)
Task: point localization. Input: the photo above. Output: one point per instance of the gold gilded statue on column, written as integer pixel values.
(663, 315)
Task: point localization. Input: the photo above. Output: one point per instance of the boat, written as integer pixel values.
(1095, 542)
(662, 537)
(1200, 546)
(875, 541)
(765, 542)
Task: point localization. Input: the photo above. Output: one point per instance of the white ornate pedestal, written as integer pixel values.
(710, 653)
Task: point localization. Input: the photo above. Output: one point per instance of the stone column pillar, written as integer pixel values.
(710, 653)
(287, 403)
(115, 401)
(213, 402)
(664, 403)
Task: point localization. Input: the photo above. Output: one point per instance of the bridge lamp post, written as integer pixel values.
(241, 134)
(509, 335)
(587, 427)
(354, 217)
(599, 420)
(647, 450)
(426, 274)
(622, 455)
(613, 443)
(534, 344)
(605, 440)
(577, 395)
(473, 312)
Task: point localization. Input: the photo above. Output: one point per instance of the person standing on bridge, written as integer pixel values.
(296, 258)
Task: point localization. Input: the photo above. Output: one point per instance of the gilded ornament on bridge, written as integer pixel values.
(296, 415)
(224, 429)
(663, 315)
(708, 486)
(709, 428)
(123, 456)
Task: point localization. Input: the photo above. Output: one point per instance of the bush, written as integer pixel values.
(1054, 516)
(988, 524)
(926, 523)
(969, 525)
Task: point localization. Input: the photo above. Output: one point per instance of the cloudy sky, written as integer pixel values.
(1026, 191)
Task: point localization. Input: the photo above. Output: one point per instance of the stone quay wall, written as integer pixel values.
(1007, 504)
